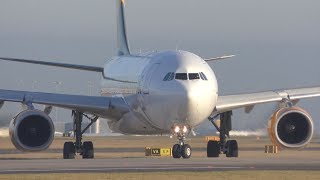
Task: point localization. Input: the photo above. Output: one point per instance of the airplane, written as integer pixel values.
(169, 92)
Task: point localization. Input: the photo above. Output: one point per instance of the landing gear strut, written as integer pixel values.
(230, 147)
(86, 148)
(181, 149)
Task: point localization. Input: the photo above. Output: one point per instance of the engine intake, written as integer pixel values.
(290, 128)
(31, 130)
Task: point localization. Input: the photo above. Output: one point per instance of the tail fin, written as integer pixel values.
(123, 48)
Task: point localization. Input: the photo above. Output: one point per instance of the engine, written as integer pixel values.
(31, 130)
(290, 128)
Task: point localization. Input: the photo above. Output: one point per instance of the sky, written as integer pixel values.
(276, 44)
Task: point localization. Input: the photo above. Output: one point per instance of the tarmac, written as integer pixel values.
(154, 165)
(252, 157)
(131, 150)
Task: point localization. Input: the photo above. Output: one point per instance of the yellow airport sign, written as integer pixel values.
(165, 152)
(157, 151)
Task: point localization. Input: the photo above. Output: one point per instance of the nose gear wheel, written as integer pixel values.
(181, 149)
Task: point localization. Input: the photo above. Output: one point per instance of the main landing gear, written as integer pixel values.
(230, 147)
(181, 149)
(86, 148)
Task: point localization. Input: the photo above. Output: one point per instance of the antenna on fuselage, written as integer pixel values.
(123, 48)
(177, 46)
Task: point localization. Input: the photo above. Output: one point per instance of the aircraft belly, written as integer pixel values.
(133, 123)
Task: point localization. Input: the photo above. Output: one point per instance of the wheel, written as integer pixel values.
(232, 148)
(213, 149)
(68, 150)
(176, 151)
(87, 150)
(186, 151)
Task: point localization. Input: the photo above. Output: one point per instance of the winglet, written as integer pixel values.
(219, 58)
(123, 47)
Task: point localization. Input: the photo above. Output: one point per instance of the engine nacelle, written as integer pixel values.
(31, 130)
(290, 128)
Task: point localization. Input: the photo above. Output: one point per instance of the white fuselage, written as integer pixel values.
(157, 103)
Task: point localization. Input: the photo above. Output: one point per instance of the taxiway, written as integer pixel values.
(126, 154)
(154, 165)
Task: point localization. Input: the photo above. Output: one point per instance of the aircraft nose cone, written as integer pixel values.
(189, 108)
(198, 103)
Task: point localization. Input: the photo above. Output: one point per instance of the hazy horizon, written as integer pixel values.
(276, 44)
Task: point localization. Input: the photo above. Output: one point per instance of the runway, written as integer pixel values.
(126, 154)
(154, 165)
(131, 150)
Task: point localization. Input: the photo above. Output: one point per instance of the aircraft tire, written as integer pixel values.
(87, 151)
(68, 150)
(186, 151)
(232, 148)
(176, 151)
(213, 149)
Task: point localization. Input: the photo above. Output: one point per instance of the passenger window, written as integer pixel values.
(182, 76)
(166, 77)
(193, 76)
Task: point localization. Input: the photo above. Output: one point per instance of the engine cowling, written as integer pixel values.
(290, 128)
(31, 130)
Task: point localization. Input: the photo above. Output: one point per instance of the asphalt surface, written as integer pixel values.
(131, 150)
(251, 158)
(152, 164)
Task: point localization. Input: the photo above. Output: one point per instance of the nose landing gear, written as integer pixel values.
(181, 149)
(230, 147)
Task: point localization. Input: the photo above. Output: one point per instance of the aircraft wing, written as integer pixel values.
(63, 65)
(107, 107)
(219, 58)
(248, 100)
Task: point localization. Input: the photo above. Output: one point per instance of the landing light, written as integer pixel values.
(185, 129)
(177, 129)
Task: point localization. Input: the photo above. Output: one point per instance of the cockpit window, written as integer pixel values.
(182, 76)
(203, 77)
(193, 76)
(169, 76)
